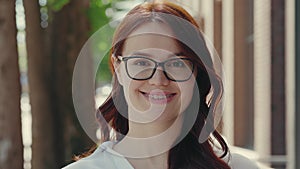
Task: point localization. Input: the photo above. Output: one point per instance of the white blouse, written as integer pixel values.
(104, 157)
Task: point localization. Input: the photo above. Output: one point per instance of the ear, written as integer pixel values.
(117, 67)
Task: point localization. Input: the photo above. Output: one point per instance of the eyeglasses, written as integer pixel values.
(143, 68)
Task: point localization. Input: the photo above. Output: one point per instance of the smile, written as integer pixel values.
(158, 97)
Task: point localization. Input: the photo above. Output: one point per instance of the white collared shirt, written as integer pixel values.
(104, 157)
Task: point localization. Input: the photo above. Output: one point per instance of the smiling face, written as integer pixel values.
(158, 97)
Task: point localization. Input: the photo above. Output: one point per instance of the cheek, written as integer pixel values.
(187, 91)
(188, 87)
(131, 87)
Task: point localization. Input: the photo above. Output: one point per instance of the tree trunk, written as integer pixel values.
(11, 146)
(52, 52)
(70, 31)
(39, 78)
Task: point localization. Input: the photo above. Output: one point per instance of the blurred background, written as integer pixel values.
(258, 42)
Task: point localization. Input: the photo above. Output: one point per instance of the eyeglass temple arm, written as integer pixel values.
(118, 58)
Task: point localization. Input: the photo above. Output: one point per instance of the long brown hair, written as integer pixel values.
(188, 153)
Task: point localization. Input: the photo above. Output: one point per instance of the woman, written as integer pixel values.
(165, 93)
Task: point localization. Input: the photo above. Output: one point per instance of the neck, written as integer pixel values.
(141, 130)
(149, 140)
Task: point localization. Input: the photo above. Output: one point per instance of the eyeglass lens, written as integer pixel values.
(141, 68)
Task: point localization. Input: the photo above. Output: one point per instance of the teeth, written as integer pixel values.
(160, 97)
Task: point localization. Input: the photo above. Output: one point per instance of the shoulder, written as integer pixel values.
(237, 161)
(99, 159)
(83, 163)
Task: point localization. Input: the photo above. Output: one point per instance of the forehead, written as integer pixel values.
(151, 36)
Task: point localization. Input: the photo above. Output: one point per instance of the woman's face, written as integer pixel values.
(157, 98)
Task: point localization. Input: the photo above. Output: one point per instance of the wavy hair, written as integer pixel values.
(188, 153)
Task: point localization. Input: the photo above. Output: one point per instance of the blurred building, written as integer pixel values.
(256, 42)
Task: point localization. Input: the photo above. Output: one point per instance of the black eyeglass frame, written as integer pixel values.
(157, 64)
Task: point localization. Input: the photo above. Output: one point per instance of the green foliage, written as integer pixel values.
(97, 17)
(96, 14)
(57, 5)
(103, 75)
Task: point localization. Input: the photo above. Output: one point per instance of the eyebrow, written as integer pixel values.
(147, 54)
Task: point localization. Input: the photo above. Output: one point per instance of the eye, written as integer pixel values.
(178, 63)
(142, 62)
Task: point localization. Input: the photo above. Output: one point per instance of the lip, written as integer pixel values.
(158, 97)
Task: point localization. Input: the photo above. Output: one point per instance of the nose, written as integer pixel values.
(159, 78)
